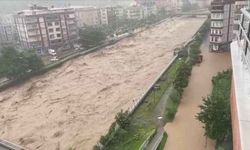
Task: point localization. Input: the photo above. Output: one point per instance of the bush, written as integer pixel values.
(220, 148)
(18, 65)
(122, 119)
(90, 36)
(215, 111)
(96, 147)
(182, 77)
(175, 96)
(104, 140)
(171, 111)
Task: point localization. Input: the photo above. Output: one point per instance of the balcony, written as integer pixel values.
(240, 95)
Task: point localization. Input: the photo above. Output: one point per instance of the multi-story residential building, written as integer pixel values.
(134, 12)
(148, 6)
(7, 30)
(45, 28)
(239, 4)
(240, 90)
(120, 12)
(108, 15)
(87, 16)
(104, 16)
(222, 15)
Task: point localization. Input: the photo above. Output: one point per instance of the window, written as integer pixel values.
(58, 35)
(51, 36)
(57, 29)
(56, 23)
(49, 24)
(51, 30)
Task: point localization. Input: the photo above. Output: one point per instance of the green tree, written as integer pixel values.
(14, 64)
(35, 63)
(215, 111)
(122, 119)
(182, 77)
(91, 36)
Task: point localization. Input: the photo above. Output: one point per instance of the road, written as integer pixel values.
(72, 106)
(186, 132)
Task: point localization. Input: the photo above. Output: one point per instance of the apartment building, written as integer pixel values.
(134, 12)
(240, 89)
(148, 6)
(120, 12)
(44, 28)
(239, 4)
(222, 16)
(87, 16)
(104, 16)
(7, 30)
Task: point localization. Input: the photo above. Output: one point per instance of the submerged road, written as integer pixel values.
(186, 132)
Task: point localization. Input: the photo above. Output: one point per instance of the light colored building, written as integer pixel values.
(120, 12)
(169, 5)
(45, 28)
(7, 30)
(222, 16)
(134, 12)
(240, 90)
(104, 16)
(148, 6)
(237, 13)
(86, 16)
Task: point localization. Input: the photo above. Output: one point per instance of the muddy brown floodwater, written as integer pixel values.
(186, 132)
(72, 106)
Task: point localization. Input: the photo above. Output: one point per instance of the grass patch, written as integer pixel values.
(163, 142)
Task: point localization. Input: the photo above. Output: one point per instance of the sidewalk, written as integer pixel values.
(185, 132)
(159, 112)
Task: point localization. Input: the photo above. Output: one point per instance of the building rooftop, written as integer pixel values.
(43, 10)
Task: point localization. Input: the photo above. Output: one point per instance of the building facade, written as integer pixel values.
(7, 30)
(148, 6)
(222, 16)
(240, 90)
(43, 28)
(134, 12)
(239, 4)
(225, 16)
(87, 16)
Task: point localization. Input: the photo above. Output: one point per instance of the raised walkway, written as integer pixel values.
(186, 132)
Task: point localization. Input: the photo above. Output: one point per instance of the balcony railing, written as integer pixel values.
(244, 36)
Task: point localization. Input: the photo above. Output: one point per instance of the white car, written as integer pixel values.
(52, 52)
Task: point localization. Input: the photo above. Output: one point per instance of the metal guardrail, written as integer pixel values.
(157, 143)
(5, 145)
(146, 92)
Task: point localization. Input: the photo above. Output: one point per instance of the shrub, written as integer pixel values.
(171, 111)
(175, 96)
(215, 111)
(96, 147)
(105, 139)
(122, 119)
(220, 148)
(182, 77)
(18, 65)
